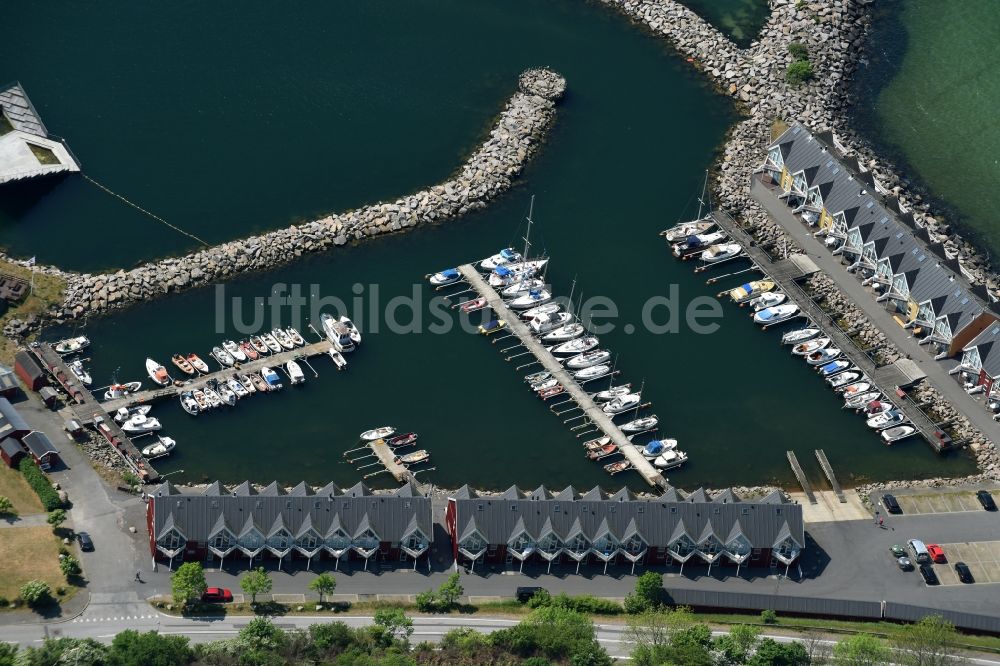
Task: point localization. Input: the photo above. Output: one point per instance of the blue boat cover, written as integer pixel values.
(507, 254)
(693, 241)
(450, 273)
(653, 448)
(534, 293)
(502, 271)
(746, 287)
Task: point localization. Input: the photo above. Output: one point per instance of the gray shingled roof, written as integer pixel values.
(20, 111)
(39, 444)
(11, 447)
(10, 419)
(658, 521)
(988, 345)
(199, 516)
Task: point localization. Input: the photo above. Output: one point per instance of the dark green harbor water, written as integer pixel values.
(303, 112)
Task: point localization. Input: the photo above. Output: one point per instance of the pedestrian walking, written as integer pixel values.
(138, 577)
(880, 522)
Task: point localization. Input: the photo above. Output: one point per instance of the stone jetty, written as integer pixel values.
(488, 172)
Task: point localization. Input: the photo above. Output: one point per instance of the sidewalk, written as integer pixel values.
(937, 372)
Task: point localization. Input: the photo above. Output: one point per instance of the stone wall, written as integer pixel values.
(487, 173)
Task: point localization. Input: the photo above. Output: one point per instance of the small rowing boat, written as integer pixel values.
(596, 443)
(271, 342)
(474, 305)
(603, 452)
(377, 433)
(282, 338)
(547, 393)
(415, 458)
(295, 336)
(182, 363)
(406, 439)
(617, 467)
(806, 348)
(197, 363)
(248, 349)
(258, 344)
(259, 383)
(223, 357)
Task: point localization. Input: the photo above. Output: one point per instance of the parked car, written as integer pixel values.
(927, 571)
(937, 553)
(986, 500)
(86, 543)
(524, 594)
(897, 550)
(890, 504)
(964, 573)
(217, 595)
(904, 563)
(919, 551)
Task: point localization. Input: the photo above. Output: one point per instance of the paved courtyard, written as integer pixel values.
(938, 502)
(983, 558)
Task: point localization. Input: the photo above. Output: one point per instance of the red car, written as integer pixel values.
(217, 595)
(936, 552)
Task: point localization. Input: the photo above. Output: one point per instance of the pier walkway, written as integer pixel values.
(574, 390)
(839, 339)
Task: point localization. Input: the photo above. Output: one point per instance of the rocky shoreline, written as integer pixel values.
(488, 172)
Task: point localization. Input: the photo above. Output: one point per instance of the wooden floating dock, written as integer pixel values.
(831, 477)
(784, 275)
(596, 415)
(387, 457)
(88, 411)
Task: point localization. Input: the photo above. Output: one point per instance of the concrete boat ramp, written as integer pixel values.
(589, 408)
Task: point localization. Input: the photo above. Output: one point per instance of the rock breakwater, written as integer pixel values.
(488, 172)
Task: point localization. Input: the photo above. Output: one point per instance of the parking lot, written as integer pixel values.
(938, 503)
(983, 558)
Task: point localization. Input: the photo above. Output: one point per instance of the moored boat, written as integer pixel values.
(885, 420)
(806, 348)
(295, 336)
(197, 363)
(641, 425)
(721, 252)
(406, 439)
(767, 300)
(72, 345)
(259, 345)
(750, 290)
(823, 356)
(138, 424)
(546, 323)
(282, 338)
(548, 383)
(249, 350)
(551, 391)
(876, 407)
(337, 333)
(613, 392)
(833, 368)
(162, 447)
(546, 309)
(474, 305)
(617, 467)
(503, 257)
(657, 448)
(537, 376)
(234, 350)
(492, 326)
(247, 383)
(199, 397)
(578, 346)
(76, 367)
(670, 459)
(259, 383)
(236, 387)
(696, 243)
(589, 358)
(447, 276)
(189, 404)
(564, 333)
(117, 390)
(182, 364)
(684, 229)
(157, 373)
(223, 357)
(417, 457)
(896, 433)
(214, 399)
(844, 378)
(352, 330)
(856, 388)
(295, 374)
(593, 372)
(337, 357)
(799, 335)
(270, 342)
(622, 403)
(859, 400)
(227, 394)
(522, 287)
(272, 378)
(125, 413)
(377, 433)
(776, 315)
(596, 443)
(603, 452)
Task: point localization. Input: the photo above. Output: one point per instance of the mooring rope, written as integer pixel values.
(143, 210)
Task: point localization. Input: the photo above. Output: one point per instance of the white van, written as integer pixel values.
(919, 550)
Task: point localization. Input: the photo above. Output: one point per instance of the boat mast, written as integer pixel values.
(701, 199)
(570, 299)
(527, 235)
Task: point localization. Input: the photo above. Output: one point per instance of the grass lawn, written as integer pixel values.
(48, 290)
(14, 487)
(29, 553)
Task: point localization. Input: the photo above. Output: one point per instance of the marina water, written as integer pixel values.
(300, 113)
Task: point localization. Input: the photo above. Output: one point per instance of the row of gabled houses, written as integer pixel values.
(928, 291)
(514, 527)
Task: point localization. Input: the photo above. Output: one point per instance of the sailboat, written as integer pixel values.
(546, 323)
(622, 403)
(503, 257)
(564, 333)
(578, 346)
(531, 299)
(522, 287)
(699, 225)
(641, 425)
(589, 358)
(613, 392)
(541, 310)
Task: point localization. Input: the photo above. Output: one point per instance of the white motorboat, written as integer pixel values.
(337, 357)
(502, 258)
(522, 287)
(237, 387)
(189, 404)
(844, 378)
(157, 372)
(71, 345)
(859, 400)
(800, 335)
(545, 384)
(117, 390)
(876, 407)
(857, 388)
(578, 346)
(162, 447)
(125, 413)
(76, 367)
(257, 342)
(589, 358)
(885, 420)
(507, 275)
(656, 448)
(448, 276)
(670, 459)
(806, 348)
(213, 398)
(138, 424)
(896, 433)
(622, 403)
(377, 433)
(541, 310)
(295, 374)
(697, 243)
(531, 299)
(536, 377)
(592, 372)
(353, 330)
(247, 382)
(337, 333)
(295, 336)
(823, 356)
(776, 315)
(201, 400)
(613, 392)
(721, 252)
(223, 357)
(767, 300)
(234, 350)
(272, 344)
(227, 394)
(282, 338)
(550, 322)
(272, 378)
(837, 366)
(564, 333)
(641, 425)
(681, 231)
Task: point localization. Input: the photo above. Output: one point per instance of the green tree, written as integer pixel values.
(739, 644)
(70, 566)
(427, 601)
(590, 654)
(256, 582)
(772, 653)
(260, 634)
(926, 643)
(861, 650)
(658, 629)
(188, 583)
(395, 622)
(450, 591)
(323, 584)
(556, 631)
(131, 648)
(6, 507)
(648, 593)
(8, 654)
(799, 72)
(36, 593)
(331, 636)
(56, 518)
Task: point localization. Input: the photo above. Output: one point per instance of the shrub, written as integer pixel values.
(69, 566)
(6, 506)
(56, 518)
(799, 72)
(799, 51)
(648, 594)
(427, 601)
(4, 602)
(768, 616)
(36, 479)
(188, 583)
(36, 593)
(444, 598)
(61, 591)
